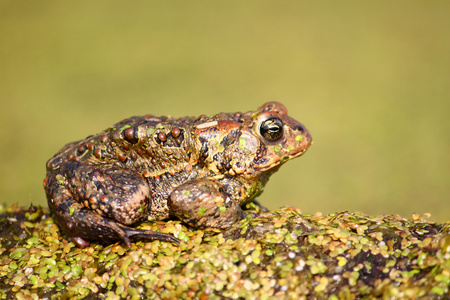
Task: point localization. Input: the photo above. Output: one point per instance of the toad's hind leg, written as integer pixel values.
(83, 225)
(84, 220)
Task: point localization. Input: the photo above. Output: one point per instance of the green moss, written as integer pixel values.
(277, 254)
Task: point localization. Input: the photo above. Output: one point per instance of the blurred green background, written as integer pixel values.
(370, 80)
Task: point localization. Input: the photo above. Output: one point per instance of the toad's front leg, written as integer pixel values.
(202, 203)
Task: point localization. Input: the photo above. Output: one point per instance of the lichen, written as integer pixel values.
(283, 253)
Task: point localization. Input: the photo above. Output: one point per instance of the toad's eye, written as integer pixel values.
(272, 129)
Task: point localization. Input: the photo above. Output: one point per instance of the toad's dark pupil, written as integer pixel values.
(272, 129)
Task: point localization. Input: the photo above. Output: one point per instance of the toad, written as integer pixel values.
(201, 170)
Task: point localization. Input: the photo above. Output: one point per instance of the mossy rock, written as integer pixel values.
(281, 254)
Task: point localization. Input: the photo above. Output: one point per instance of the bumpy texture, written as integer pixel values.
(198, 169)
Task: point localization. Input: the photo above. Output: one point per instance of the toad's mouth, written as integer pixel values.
(299, 153)
(290, 156)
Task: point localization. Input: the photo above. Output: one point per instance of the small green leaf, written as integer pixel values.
(437, 290)
(16, 254)
(33, 240)
(220, 147)
(71, 210)
(290, 148)
(242, 143)
(277, 148)
(124, 127)
(342, 261)
(255, 114)
(33, 279)
(60, 178)
(201, 211)
(150, 131)
(77, 270)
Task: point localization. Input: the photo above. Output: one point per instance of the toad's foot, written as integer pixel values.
(81, 229)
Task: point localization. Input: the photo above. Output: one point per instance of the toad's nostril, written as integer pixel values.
(299, 128)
